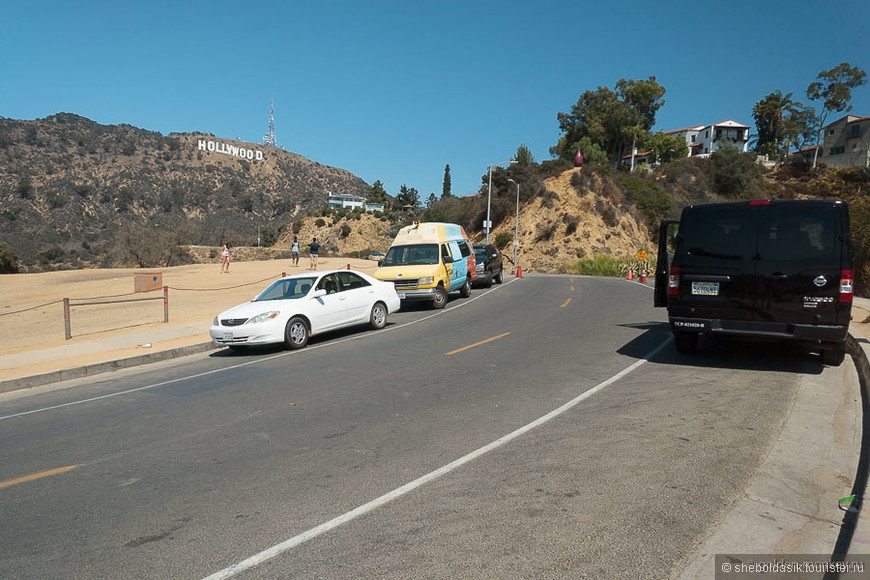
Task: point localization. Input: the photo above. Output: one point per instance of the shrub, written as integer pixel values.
(601, 265)
(502, 239)
(8, 259)
(652, 202)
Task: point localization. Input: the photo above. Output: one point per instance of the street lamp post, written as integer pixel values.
(488, 224)
(516, 223)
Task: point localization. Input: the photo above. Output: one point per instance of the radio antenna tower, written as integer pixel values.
(269, 138)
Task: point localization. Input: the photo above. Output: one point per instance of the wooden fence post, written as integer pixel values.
(67, 332)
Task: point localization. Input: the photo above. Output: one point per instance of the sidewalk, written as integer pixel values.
(33, 368)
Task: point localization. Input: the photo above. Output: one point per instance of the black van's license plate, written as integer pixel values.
(705, 288)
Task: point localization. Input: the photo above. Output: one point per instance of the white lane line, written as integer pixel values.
(249, 363)
(286, 545)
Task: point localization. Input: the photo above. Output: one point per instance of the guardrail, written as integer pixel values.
(67, 305)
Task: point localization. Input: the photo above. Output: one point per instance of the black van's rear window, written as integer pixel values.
(720, 235)
(797, 235)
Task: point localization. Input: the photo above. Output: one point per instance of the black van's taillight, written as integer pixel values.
(674, 281)
(846, 286)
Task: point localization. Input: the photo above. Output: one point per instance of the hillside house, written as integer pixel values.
(345, 200)
(846, 142)
(704, 140)
(348, 201)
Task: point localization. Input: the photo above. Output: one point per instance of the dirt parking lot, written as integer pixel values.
(32, 312)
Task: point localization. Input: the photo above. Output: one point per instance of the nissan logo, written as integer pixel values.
(820, 281)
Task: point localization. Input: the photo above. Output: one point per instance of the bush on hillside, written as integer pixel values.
(8, 259)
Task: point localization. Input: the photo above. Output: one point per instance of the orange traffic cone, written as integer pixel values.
(630, 275)
(643, 276)
(519, 272)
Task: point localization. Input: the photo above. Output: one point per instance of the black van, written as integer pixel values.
(777, 270)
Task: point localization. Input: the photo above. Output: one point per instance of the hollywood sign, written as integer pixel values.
(227, 149)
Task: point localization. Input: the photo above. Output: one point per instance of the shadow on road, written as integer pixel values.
(333, 335)
(724, 353)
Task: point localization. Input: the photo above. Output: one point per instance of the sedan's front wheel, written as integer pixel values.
(378, 319)
(296, 333)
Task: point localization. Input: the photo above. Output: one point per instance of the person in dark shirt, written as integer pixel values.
(313, 249)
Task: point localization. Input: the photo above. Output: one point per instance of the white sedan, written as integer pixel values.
(297, 307)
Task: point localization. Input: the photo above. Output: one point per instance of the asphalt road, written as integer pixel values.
(543, 429)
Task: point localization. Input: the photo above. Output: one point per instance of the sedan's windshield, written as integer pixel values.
(411, 255)
(286, 289)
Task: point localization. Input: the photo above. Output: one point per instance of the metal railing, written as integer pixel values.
(67, 305)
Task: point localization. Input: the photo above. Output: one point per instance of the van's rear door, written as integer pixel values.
(800, 259)
(715, 263)
(667, 232)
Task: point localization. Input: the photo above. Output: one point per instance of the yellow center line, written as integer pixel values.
(564, 304)
(477, 344)
(38, 475)
(572, 288)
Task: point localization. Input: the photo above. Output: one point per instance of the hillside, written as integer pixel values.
(579, 216)
(71, 188)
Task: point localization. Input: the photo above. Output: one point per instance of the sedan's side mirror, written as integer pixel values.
(318, 293)
(380, 263)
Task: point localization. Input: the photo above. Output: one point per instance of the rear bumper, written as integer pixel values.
(812, 333)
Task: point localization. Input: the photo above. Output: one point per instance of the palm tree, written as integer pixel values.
(769, 114)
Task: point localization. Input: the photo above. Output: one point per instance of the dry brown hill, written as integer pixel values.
(580, 216)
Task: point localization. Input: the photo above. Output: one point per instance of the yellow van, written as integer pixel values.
(428, 260)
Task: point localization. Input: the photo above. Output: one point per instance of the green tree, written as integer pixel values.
(834, 89)
(431, 200)
(524, 157)
(613, 120)
(408, 196)
(666, 147)
(446, 188)
(377, 193)
(268, 236)
(799, 127)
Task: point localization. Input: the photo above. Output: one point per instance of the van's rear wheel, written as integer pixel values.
(835, 357)
(440, 298)
(686, 342)
(465, 291)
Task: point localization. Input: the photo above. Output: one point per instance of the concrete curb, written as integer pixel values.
(103, 367)
(854, 535)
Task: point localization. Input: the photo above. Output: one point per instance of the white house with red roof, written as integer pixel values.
(704, 140)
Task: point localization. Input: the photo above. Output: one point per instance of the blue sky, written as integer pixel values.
(397, 90)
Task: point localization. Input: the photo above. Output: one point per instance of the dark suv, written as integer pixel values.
(776, 270)
(489, 265)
